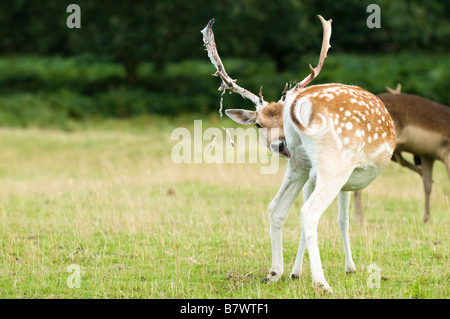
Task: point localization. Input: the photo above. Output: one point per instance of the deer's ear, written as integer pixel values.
(244, 117)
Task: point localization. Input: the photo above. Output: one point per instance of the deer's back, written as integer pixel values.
(422, 126)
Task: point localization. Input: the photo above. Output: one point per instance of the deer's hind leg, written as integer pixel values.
(343, 221)
(328, 186)
(427, 171)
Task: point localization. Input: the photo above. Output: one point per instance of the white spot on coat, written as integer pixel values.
(349, 125)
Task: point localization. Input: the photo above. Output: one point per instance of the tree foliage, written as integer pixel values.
(132, 31)
(134, 57)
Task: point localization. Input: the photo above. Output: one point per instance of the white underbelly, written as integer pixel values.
(361, 177)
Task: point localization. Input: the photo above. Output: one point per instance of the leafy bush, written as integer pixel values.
(51, 91)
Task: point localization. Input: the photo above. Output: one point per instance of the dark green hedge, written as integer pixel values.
(50, 91)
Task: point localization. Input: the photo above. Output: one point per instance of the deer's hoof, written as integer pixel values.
(323, 287)
(350, 270)
(273, 276)
(294, 277)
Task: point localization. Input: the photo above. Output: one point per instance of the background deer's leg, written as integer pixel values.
(278, 209)
(447, 163)
(427, 170)
(343, 204)
(358, 206)
(397, 157)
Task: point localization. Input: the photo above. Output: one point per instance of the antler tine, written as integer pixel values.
(227, 82)
(283, 94)
(260, 95)
(323, 54)
(397, 90)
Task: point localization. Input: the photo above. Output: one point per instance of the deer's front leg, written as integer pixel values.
(297, 269)
(278, 208)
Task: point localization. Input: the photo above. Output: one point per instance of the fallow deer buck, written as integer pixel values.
(338, 138)
(422, 129)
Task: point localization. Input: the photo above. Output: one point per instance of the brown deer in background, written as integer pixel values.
(423, 129)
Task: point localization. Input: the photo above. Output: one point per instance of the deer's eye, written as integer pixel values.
(257, 125)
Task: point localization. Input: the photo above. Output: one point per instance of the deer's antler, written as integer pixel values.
(227, 82)
(397, 90)
(323, 54)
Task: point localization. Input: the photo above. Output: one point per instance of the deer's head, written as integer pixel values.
(269, 121)
(268, 117)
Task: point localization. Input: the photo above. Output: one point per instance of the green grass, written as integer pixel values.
(107, 197)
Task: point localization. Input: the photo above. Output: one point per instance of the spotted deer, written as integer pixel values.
(422, 129)
(337, 138)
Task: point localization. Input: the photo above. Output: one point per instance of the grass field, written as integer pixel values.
(107, 198)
